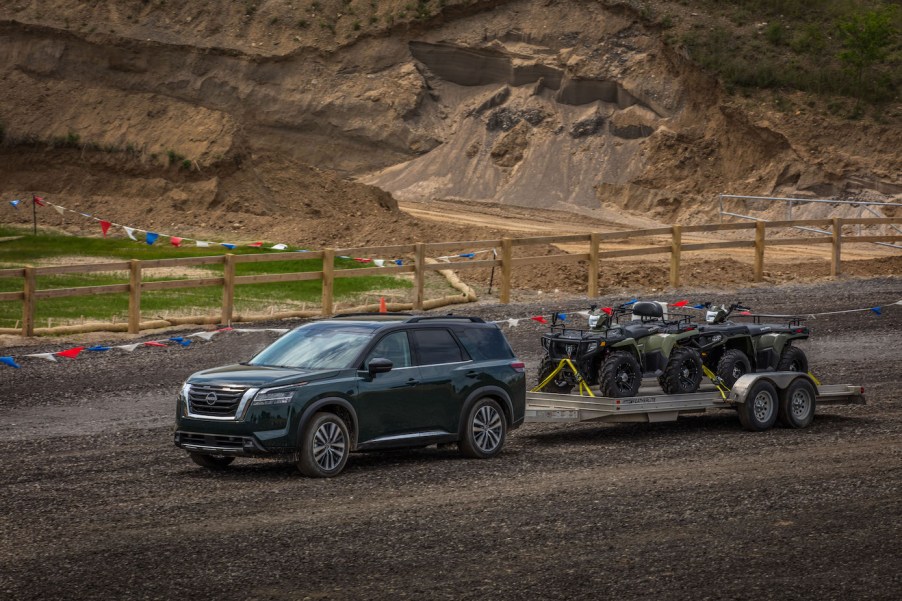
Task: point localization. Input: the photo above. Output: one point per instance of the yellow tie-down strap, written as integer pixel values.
(722, 388)
(584, 389)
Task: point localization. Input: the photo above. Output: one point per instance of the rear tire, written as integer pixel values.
(793, 359)
(485, 430)
(683, 372)
(797, 404)
(559, 385)
(620, 375)
(211, 462)
(733, 365)
(759, 412)
(325, 446)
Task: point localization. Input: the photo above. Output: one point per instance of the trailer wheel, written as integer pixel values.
(620, 375)
(759, 412)
(797, 404)
(559, 384)
(793, 359)
(733, 365)
(683, 372)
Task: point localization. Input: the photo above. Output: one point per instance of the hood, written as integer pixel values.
(257, 376)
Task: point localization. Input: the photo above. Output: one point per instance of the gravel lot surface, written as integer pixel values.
(97, 502)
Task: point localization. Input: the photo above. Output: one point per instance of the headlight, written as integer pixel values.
(275, 396)
(186, 389)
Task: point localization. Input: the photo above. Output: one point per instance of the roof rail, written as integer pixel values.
(373, 315)
(445, 317)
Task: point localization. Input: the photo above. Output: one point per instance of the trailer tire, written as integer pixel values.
(559, 385)
(797, 404)
(683, 372)
(793, 359)
(733, 364)
(620, 375)
(759, 411)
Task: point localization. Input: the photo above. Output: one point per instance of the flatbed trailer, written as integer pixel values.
(760, 399)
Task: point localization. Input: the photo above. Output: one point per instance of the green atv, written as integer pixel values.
(732, 349)
(615, 356)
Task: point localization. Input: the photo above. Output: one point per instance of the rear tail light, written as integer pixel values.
(518, 366)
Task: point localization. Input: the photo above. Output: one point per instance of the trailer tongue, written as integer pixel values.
(761, 399)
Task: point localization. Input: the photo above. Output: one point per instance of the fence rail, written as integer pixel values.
(421, 265)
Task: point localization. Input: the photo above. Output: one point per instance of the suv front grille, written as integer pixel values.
(218, 401)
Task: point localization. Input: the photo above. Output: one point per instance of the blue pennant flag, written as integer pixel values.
(699, 306)
(99, 348)
(562, 316)
(151, 237)
(876, 310)
(15, 203)
(399, 262)
(227, 245)
(631, 303)
(467, 255)
(9, 361)
(180, 340)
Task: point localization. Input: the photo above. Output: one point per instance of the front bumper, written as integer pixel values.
(222, 444)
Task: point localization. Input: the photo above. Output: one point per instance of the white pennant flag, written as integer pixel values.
(277, 330)
(47, 356)
(129, 347)
(205, 335)
(379, 262)
(130, 232)
(202, 244)
(278, 246)
(59, 209)
(513, 322)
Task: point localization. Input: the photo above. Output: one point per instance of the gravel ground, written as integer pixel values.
(98, 503)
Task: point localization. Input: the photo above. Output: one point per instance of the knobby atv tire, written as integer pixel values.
(793, 359)
(559, 385)
(683, 372)
(797, 404)
(211, 462)
(620, 375)
(733, 365)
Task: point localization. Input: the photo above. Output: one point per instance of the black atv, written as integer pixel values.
(616, 355)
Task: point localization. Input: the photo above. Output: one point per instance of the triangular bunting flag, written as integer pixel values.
(9, 361)
(175, 241)
(71, 353)
(363, 260)
(399, 262)
(201, 244)
(38, 200)
(278, 246)
(562, 316)
(255, 244)
(631, 302)
(59, 209)
(130, 232)
(153, 343)
(379, 262)
(105, 226)
(681, 303)
(698, 306)
(227, 245)
(608, 310)
(513, 322)
(539, 319)
(467, 255)
(98, 348)
(151, 237)
(15, 203)
(129, 347)
(876, 310)
(45, 356)
(277, 330)
(204, 335)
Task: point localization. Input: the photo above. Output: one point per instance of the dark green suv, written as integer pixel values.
(357, 383)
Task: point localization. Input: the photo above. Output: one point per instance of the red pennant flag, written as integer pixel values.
(154, 343)
(608, 310)
(38, 200)
(255, 244)
(71, 353)
(176, 241)
(746, 313)
(105, 227)
(539, 319)
(362, 260)
(681, 303)
(228, 329)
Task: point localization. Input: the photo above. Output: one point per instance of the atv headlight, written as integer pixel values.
(591, 347)
(545, 343)
(276, 396)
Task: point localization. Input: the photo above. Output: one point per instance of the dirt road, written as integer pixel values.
(98, 503)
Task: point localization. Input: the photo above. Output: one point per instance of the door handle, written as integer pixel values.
(412, 382)
(472, 374)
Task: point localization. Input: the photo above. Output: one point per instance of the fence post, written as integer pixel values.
(507, 252)
(675, 244)
(835, 268)
(593, 264)
(419, 276)
(28, 302)
(134, 296)
(328, 279)
(228, 289)
(759, 251)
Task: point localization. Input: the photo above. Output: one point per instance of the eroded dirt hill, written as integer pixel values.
(214, 114)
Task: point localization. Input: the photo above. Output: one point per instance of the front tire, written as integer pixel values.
(325, 446)
(797, 404)
(759, 412)
(485, 430)
(211, 462)
(733, 365)
(793, 359)
(620, 375)
(559, 385)
(683, 372)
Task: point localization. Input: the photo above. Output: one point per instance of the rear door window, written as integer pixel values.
(436, 346)
(485, 344)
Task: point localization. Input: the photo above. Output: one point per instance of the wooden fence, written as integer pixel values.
(421, 265)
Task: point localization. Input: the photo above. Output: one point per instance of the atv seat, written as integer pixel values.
(639, 330)
(726, 329)
(756, 329)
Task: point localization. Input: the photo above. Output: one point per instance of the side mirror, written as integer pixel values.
(379, 365)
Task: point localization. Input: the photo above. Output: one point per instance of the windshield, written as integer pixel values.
(316, 346)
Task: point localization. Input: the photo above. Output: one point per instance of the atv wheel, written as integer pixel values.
(559, 384)
(733, 365)
(793, 359)
(683, 372)
(620, 375)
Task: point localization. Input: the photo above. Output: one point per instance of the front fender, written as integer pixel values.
(318, 405)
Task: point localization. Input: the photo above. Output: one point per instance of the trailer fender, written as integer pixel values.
(781, 380)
